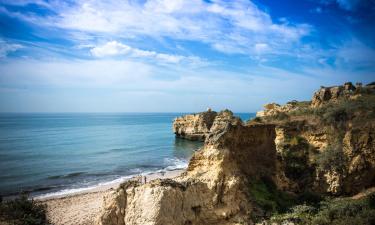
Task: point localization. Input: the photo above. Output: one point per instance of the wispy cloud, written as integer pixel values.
(232, 27)
(6, 48)
(114, 48)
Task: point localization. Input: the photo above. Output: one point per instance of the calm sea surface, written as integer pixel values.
(62, 153)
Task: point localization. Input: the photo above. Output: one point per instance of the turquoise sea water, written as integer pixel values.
(61, 153)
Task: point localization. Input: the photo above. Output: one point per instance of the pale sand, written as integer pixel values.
(83, 208)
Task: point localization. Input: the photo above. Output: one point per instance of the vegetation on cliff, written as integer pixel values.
(22, 211)
(324, 146)
(338, 211)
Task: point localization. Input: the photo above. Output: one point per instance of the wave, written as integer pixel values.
(70, 175)
(176, 163)
(171, 164)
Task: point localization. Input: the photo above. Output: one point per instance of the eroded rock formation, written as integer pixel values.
(222, 119)
(333, 94)
(199, 126)
(213, 190)
(194, 126)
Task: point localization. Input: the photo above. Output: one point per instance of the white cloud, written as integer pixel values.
(261, 47)
(6, 48)
(228, 26)
(114, 48)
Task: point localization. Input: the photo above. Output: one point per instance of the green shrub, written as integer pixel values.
(22, 211)
(337, 114)
(257, 119)
(346, 211)
(280, 116)
(265, 195)
(332, 158)
(331, 212)
(295, 156)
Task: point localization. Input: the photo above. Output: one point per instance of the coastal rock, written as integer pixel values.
(213, 190)
(332, 94)
(222, 119)
(199, 126)
(273, 109)
(194, 126)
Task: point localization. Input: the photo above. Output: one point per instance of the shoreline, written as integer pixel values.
(83, 207)
(108, 185)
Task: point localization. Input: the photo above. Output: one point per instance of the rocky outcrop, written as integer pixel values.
(199, 126)
(194, 126)
(222, 119)
(273, 109)
(213, 190)
(332, 94)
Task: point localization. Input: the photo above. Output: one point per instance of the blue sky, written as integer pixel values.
(178, 55)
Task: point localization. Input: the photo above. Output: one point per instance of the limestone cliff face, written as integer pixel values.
(328, 146)
(194, 126)
(307, 161)
(199, 126)
(213, 190)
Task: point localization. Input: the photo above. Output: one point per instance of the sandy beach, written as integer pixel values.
(83, 207)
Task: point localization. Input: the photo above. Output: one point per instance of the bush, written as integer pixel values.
(332, 158)
(257, 119)
(346, 211)
(265, 195)
(280, 116)
(337, 114)
(295, 155)
(331, 212)
(22, 211)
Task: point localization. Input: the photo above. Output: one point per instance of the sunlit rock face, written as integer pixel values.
(194, 126)
(213, 190)
(336, 93)
(326, 145)
(198, 126)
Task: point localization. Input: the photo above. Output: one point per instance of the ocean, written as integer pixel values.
(47, 154)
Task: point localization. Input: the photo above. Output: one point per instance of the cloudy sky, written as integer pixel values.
(178, 55)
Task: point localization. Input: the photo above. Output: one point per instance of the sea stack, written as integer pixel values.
(198, 126)
(194, 126)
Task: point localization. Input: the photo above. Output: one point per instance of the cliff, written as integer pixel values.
(213, 190)
(326, 145)
(249, 172)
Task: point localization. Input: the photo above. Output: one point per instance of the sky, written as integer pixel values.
(179, 55)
